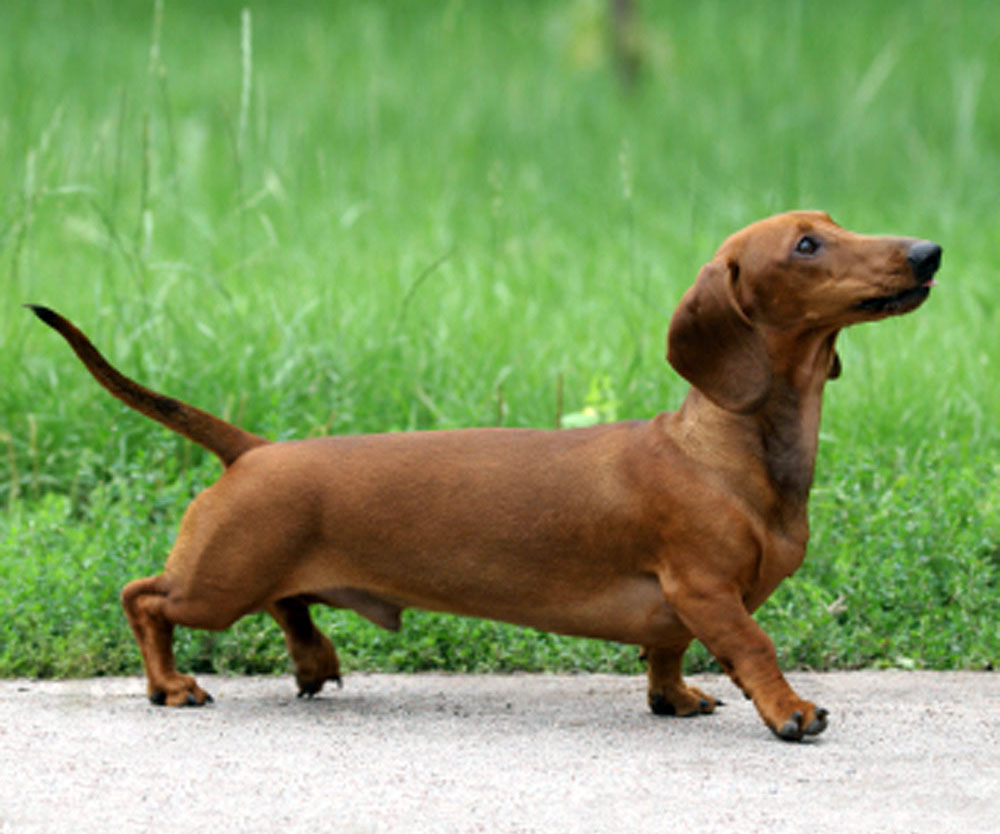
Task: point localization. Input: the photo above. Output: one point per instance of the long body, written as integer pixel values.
(441, 520)
(646, 532)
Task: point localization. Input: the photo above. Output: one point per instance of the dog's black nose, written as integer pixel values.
(925, 258)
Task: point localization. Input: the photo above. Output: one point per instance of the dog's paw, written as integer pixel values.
(181, 692)
(799, 724)
(310, 688)
(685, 703)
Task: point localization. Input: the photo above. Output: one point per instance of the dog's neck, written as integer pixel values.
(780, 439)
(788, 432)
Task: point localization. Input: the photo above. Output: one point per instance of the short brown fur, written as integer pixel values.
(647, 532)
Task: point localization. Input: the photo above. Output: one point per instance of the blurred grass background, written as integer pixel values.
(333, 217)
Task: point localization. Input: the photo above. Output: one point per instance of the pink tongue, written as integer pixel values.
(930, 283)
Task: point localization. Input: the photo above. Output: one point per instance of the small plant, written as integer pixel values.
(600, 405)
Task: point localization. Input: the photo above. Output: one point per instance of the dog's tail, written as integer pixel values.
(222, 438)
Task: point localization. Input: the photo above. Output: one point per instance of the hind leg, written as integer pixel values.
(312, 652)
(668, 694)
(146, 603)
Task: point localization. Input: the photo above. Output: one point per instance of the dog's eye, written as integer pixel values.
(807, 245)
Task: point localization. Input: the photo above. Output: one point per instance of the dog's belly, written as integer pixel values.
(632, 610)
(628, 610)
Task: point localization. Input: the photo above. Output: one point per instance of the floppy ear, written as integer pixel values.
(714, 345)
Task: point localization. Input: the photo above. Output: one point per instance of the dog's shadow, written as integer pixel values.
(515, 704)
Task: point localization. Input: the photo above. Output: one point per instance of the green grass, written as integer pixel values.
(433, 215)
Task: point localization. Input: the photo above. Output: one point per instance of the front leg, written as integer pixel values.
(719, 619)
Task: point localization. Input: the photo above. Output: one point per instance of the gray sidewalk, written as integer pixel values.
(905, 752)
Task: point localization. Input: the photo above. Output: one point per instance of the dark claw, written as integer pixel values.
(158, 699)
(661, 706)
(339, 681)
(790, 730)
(307, 689)
(209, 699)
(818, 724)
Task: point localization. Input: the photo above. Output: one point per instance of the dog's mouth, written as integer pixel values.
(899, 303)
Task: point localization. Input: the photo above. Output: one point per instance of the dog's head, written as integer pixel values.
(792, 279)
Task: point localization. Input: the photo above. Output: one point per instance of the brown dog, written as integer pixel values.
(651, 533)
